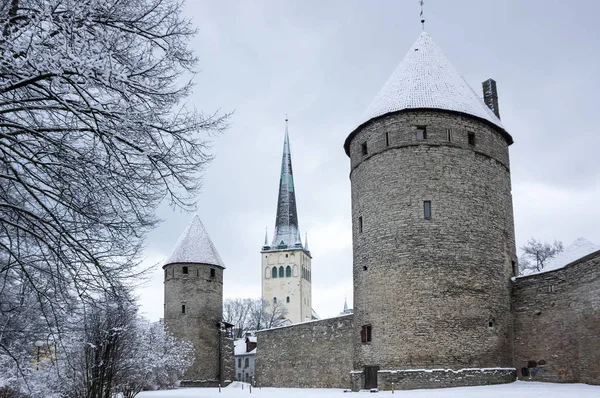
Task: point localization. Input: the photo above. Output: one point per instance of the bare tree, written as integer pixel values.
(93, 136)
(535, 254)
(237, 312)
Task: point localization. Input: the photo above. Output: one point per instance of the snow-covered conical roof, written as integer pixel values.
(195, 246)
(425, 79)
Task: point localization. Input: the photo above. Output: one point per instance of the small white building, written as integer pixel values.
(245, 351)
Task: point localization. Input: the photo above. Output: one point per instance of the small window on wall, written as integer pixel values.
(281, 272)
(184, 270)
(274, 300)
(183, 308)
(287, 299)
(213, 272)
(427, 209)
(448, 135)
(471, 138)
(246, 363)
(360, 224)
(387, 138)
(274, 272)
(363, 148)
(365, 334)
(239, 365)
(288, 271)
(421, 133)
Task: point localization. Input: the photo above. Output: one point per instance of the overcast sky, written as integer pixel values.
(322, 62)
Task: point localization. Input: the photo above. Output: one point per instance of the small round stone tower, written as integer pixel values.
(193, 279)
(433, 233)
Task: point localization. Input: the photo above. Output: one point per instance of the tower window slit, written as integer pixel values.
(183, 308)
(449, 135)
(387, 138)
(364, 149)
(184, 270)
(427, 209)
(471, 137)
(421, 133)
(212, 273)
(360, 224)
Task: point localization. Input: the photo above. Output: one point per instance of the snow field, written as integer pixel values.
(512, 390)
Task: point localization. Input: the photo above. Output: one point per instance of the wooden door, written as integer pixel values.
(371, 377)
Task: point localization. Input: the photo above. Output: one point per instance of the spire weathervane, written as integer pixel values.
(422, 18)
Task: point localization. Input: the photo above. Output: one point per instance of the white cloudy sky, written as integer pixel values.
(322, 62)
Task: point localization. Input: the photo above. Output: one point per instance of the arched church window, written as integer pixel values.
(288, 271)
(274, 272)
(281, 272)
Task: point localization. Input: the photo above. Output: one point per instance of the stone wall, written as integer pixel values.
(436, 292)
(312, 354)
(436, 378)
(557, 323)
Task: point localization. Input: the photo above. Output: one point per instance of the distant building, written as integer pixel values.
(346, 310)
(286, 262)
(245, 350)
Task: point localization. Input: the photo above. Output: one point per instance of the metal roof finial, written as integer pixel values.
(421, 2)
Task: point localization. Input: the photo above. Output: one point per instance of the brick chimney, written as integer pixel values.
(490, 96)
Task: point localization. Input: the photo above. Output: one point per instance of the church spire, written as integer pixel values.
(286, 223)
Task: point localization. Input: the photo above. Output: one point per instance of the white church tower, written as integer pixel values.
(286, 263)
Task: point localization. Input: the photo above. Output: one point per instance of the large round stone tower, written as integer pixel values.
(193, 279)
(433, 232)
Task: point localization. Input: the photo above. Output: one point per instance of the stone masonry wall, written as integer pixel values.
(202, 296)
(557, 323)
(436, 378)
(436, 292)
(312, 354)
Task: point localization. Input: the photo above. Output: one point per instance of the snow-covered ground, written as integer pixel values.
(513, 390)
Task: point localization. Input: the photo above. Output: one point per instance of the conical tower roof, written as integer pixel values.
(195, 246)
(286, 233)
(425, 79)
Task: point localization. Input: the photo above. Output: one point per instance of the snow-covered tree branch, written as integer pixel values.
(94, 134)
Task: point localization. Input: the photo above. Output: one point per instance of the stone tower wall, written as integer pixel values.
(202, 296)
(315, 354)
(436, 292)
(557, 323)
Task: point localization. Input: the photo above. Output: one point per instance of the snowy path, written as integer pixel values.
(513, 390)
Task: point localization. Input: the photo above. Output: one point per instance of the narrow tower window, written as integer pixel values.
(288, 271)
(274, 300)
(213, 273)
(281, 272)
(365, 334)
(184, 270)
(287, 299)
(427, 209)
(360, 224)
(183, 308)
(421, 133)
(364, 149)
(449, 135)
(387, 139)
(472, 139)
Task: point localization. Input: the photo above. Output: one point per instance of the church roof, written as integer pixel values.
(287, 234)
(195, 246)
(425, 79)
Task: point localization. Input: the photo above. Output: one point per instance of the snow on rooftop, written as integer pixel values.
(579, 248)
(195, 246)
(426, 79)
